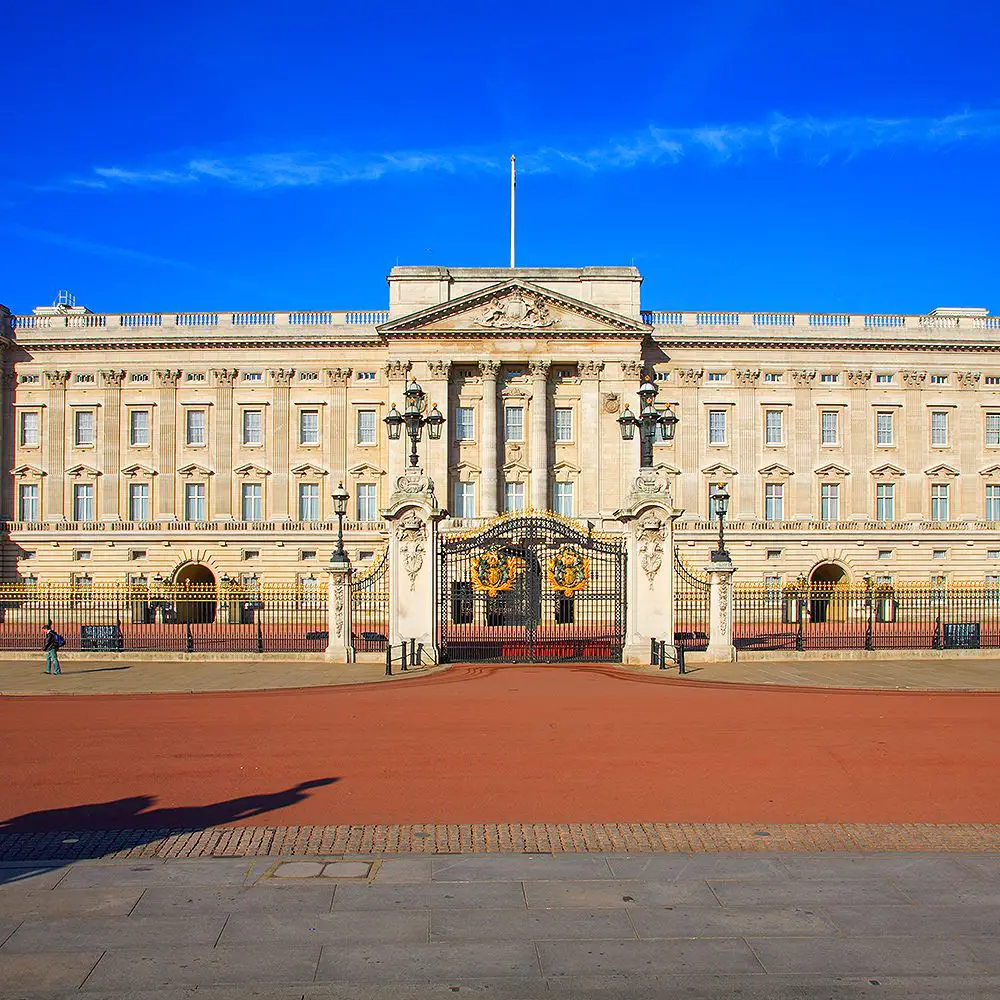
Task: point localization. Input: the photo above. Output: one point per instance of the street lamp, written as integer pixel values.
(414, 420)
(649, 421)
(340, 498)
(720, 504)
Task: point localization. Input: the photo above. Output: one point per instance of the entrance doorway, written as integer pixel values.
(822, 581)
(196, 597)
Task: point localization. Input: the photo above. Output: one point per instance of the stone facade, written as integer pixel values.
(145, 444)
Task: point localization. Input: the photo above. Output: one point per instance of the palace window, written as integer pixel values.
(885, 502)
(465, 499)
(31, 423)
(253, 427)
(774, 501)
(367, 505)
(772, 376)
(993, 429)
(250, 555)
(774, 427)
(83, 502)
(513, 423)
(829, 424)
(773, 554)
(939, 502)
(513, 497)
(883, 378)
(465, 423)
(939, 428)
(563, 423)
(716, 426)
(366, 427)
(828, 377)
(307, 554)
(252, 498)
(829, 502)
(562, 498)
(308, 501)
(883, 428)
(194, 502)
(992, 503)
(884, 554)
(939, 379)
(138, 428)
(195, 427)
(939, 554)
(308, 426)
(716, 376)
(253, 376)
(27, 502)
(365, 376)
(136, 554)
(83, 428)
(138, 501)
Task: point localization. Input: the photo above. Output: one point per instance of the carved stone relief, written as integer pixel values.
(56, 380)
(968, 380)
(438, 369)
(651, 533)
(224, 376)
(631, 369)
(516, 310)
(858, 379)
(338, 609)
(169, 377)
(489, 369)
(113, 379)
(747, 376)
(539, 369)
(412, 533)
(803, 377)
(914, 380)
(690, 376)
(396, 370)
(611, 402)
(338, 376)
(281, 376)
(590, 369)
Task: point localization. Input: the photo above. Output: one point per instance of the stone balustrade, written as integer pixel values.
(223, 527)
(775, 322)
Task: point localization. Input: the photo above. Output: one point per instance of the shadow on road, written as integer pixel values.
(100, 828)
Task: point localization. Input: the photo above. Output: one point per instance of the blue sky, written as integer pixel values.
(744, 155)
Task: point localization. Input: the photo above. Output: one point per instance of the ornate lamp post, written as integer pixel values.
(649, 421)
(414, 420)
(340, 498)
(720, 503)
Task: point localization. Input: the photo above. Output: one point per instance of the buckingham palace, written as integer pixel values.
(197, 445)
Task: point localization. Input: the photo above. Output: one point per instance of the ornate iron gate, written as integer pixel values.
(532, 588)
(370, 606)
(691, 598)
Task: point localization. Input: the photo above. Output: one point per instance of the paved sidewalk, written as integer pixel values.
(530, 926)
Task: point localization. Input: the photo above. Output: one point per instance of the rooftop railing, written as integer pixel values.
(802, 322)
(198, 321)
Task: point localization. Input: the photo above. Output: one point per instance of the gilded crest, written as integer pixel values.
(493, 573)
(569, 571)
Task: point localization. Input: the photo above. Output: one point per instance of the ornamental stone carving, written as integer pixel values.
(113, 379)
(858, 379)
(968, 380)
(611, 402)
(411, 533)
(224, 376)
(590, 369)
(747, 376)
(804, 377)
(438, 369)
(690, 376)
(411, 486)
(338, 376)
(56, 380)
(914, 380)
(489, 369)
(167, 377)
(539, 369)
(281, 376)
(651, 533)
(649, 484)
(631, 369)
(396, 370)
(516, 310)
(338, 609)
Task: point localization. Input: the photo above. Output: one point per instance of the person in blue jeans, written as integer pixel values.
(51, 648)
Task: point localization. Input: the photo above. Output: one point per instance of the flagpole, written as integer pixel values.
(513, 185)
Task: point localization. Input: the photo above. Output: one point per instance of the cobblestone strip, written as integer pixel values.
(305, 841)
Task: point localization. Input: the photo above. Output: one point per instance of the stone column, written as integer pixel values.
(396, 373)
(54, 502)
(110, 456)
(648, 517)
(338, 379)
(166, 462)
(720, 614)
(8, 500)
(281, 379)
(436, 455)
(540, 434)
(589, 445)
(223, 437)
(412, 518)
(488, 437)
(340, 642)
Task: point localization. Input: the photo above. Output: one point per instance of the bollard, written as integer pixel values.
(413, 653)
(260, 638)
(190, 640)
(680, 660)
(663, 654)
(652, 653)
(388, 660)
(402, 656)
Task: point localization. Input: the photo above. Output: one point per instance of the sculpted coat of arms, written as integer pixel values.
(493, 572)
(569, 571)
(516, 311)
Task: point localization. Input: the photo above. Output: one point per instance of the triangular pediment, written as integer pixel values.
(993, 470)
(565, 466)
(888, 470)
(309, 470)
(775, 469)
(467, 468)
(365, 469)
(942, 470)
(138, 469)
(250, 469)
(832, 469)
(27, 471)
(82, 472)
(719, 469)
(514, 308)
(194, 470)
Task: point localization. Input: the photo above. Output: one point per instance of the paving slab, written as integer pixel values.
(460, 895)
(387, 927)
(502, 868)
(861, 866)
(932, 893)
(166, 967)
(838, 956)
(30, 877)
(696, 866)
(204, 871)
(987, 949)
(429, 962)
(646, 958)
(800, 891)
(530, 925)
(299, 869)
(618, 893)
(392, 870)
(265, 897)
(347, 869)
(944, 921)
(68, 903)
(718, 921)
(43, 972)
(87, 933)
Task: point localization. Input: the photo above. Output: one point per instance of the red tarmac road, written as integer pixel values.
(553, 744)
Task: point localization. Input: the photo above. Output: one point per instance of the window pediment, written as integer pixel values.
(888, 471)
(942, 470)
(365, 469)
(832, 470)
(718, 469)
(28, 472)
(138, 470)
(993, 470)
(83, 472)
(308, 469)
(194, 470)
(776, 469)
(250, 469)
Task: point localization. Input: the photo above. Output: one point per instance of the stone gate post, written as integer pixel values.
(720, 614)
(648, 517)
(412, 519)
(340, 633)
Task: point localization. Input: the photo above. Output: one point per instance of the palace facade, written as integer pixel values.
(197, 446)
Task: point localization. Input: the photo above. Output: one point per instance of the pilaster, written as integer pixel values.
(488, 448)
(340, 641)
(720, 614)
(437, 451)
(8, 501)
(109, 460)
(338, 379)
(396, 373)
(589, 448)
(540, 434)
(55, 499)
(166, 486)
(223, 437)
(281, 379)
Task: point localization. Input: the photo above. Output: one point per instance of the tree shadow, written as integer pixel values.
(97, 829)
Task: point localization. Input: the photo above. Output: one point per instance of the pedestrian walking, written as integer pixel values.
(53, 640)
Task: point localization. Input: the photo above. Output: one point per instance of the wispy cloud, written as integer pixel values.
(812, 140)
